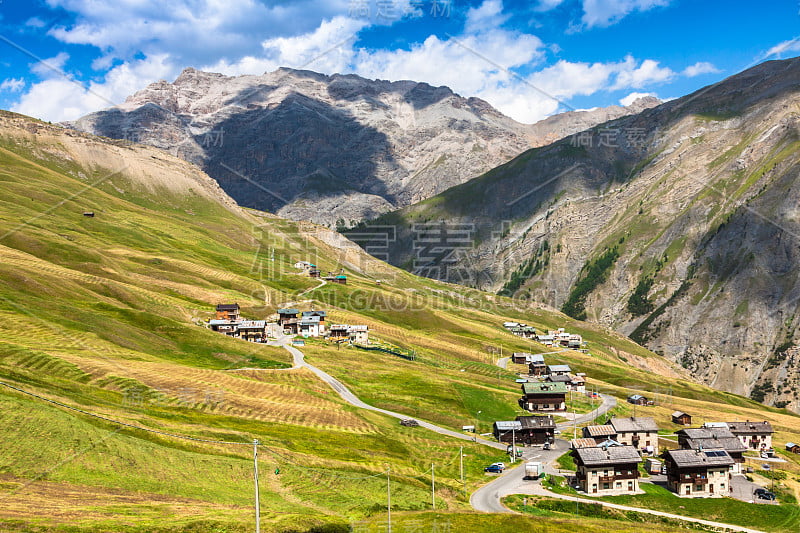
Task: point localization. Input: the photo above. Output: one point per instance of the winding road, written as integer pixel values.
(352, 399)
(489, 497)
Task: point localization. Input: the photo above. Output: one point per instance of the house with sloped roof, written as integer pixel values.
(699, 473)
(607, 471)
(253, 330)
(558, 370)
(754, 435)
(506, 430)
(641, 432)
(538, 397)
(227, 312)
(600, 433)
(681, 418)
(712, 439)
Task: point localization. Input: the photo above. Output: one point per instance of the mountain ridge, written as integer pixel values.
(332, 149)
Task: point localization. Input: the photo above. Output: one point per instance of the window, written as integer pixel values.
(698, 488)
(606, 486)
(618, 485)
(594, 472)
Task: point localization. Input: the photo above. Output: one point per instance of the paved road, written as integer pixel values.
(352, 399)
(488, 498)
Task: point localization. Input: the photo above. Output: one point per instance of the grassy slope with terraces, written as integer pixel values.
(105, 314)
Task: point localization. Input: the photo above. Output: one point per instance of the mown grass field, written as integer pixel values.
(106, 314)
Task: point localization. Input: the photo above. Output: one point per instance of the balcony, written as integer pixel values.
(605, 479)
(696, 480)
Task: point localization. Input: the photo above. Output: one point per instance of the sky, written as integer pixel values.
(61, 59)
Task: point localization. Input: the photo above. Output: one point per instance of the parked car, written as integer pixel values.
(494, 469)
(409, 422)
(764, 494)
(546, 446)
(501, 465)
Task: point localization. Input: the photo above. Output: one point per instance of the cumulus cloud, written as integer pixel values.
(701, 67)
(59, 98)
(632, 97)
(607, 12)
(12, 85)
(53, 66)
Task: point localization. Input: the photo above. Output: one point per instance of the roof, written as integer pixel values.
(611, 455)
(288, 311)
(558, 379)
(340, 277)
(600, 431)
(716, 425)
(310, 321)
(545, 337)
(583, 443)
(678, 414)
(559, 368)
(533, 389)
(315, 313)
(701, 458)
(227, 307)
(359, 328)
(339, 327)
(507, 425)
(750, 428)
(510, 324)
(790, 445)
(221, 322)
(537, 422)
(711, 438)
(536, 358)
(246, 324)
(636, 397)
(639, 423)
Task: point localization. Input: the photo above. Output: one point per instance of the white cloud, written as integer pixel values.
(632, 76)
(779, 49)
(35, 22)
(607, 12)
(547, 5)
(701, 67)
(487, 16)
(58, 98)
(12, 85)
(631, 98)
(53, 66)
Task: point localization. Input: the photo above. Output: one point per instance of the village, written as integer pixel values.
(286, 321)
(612, 458)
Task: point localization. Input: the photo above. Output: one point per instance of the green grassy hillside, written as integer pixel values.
(105, 314)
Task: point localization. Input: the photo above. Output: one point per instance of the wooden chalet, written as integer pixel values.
(538, 397)
(536, 365)
(287, 319)
(339, 332)
(558, 370)
(754, 435)
(698, 473)
(792, 447)
(227, 312)
(641, 432)
(600, 433)
(714, 439)
(607, 471)
(537, 429)
(253, 330)
(227, 327)
(637, 399)
(520, 358)
(506, 430)
(681, 418)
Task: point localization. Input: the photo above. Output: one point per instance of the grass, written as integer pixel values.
(106, 314)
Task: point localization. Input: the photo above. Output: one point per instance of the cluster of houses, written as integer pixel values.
(608, 455)
(554, 382)
(291, 321)
(229, 322)
(314, 272)
(552, 338)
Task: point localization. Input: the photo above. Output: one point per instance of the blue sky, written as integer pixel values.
(63, 58)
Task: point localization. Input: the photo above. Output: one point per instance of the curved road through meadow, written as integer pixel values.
(352, 399)
(489, 497)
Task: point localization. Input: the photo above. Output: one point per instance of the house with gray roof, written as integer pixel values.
(607, 470)
(641, 432)
(699, 473)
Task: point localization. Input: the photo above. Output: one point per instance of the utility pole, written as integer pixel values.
(255, 476)
(574, 418)
(389, 498)
(433, 487)
(461, 469)
(513, 445)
